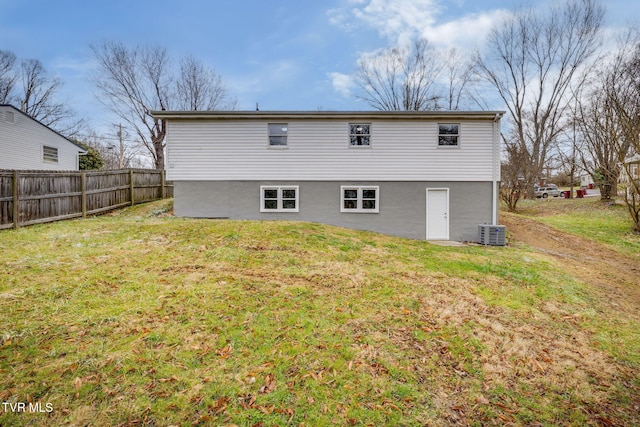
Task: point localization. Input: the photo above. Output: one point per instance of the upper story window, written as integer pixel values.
(9, 116)
(278, 134)
(448, 134)
(359, 199)
(49, 154)
(359, 135)
(279, 198)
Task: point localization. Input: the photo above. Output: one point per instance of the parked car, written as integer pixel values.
(545, 192)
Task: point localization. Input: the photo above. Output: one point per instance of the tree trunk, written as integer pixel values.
(609, 186)
(160, 126)
(159, 157)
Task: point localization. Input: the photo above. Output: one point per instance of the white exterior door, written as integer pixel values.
(437, 214)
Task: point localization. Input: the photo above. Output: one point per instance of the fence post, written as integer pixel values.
(163, 194)
(132, 187)
(16, 200)
(83, 180)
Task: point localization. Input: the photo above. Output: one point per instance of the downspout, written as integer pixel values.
(496, 169)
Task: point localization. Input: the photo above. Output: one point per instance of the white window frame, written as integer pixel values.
(357, 134)
(49, 157)
(359, 199)
(280, 189)
(286, 135)
(457, 136)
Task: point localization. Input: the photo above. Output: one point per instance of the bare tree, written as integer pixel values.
(37, 95)
(199, 88)
(458, 76)
(38, 91)
(602, 135)
(623, 94)
(532, 60)
(513, 184)
(133, 82)
(568, 156)
(116, 150)
(7, 75)
(401, 79)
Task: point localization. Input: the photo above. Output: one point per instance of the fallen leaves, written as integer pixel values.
(271, 337)
(219, 405)
(225, 352)
(269, 384)
(482, 400)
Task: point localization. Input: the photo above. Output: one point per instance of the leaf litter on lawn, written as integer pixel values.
(283, 323)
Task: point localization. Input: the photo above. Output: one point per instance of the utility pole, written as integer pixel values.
(121, 151)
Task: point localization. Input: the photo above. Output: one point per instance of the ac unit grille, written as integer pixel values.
(493, 235)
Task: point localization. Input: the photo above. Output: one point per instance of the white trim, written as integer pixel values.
(495, 170)
(447, 214)
(279, 198)
(359, 198)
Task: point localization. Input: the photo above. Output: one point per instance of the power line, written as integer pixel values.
(106, 138)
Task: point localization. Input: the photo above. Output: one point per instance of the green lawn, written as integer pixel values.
(141, 318)
(603, 221)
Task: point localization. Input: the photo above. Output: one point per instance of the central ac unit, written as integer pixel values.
(494, 235)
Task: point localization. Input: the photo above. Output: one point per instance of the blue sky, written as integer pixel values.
(284, 54)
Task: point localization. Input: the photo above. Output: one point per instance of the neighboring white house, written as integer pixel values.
(630, 181)
(25, 143)
(632, 164)
(423, 175)
(586, 180)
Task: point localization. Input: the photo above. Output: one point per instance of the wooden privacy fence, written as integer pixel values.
(33, 197)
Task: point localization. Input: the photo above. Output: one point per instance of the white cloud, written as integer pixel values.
(402, 21)
(342, 19)
(465, 32)
(342, 83)
(398, 20)
(71, 64)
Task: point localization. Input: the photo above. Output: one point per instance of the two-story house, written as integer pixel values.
(421, 175)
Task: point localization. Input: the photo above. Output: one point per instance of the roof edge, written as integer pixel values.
(276, 115)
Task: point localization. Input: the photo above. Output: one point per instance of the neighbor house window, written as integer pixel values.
(448, 134)
(359, 135)
(359, 199)
(279, 198)
(50, 154)
(278, 134)
(9, 116)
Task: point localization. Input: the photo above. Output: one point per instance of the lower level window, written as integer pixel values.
(359, 199)
(278, 198)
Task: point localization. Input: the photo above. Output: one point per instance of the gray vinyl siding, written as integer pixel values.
(402, 205)
(318, 150)
(22, 142)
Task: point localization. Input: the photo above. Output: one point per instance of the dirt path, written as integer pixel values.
(614, 275)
